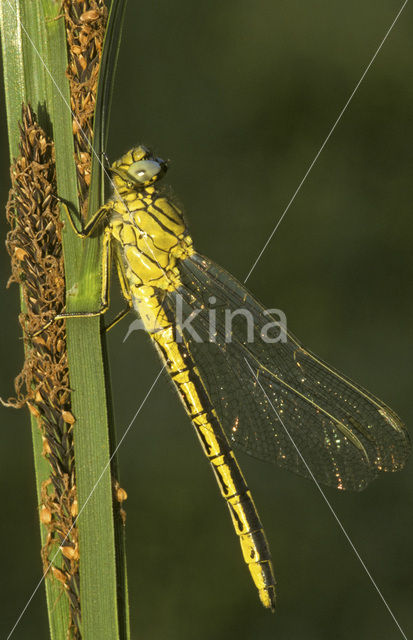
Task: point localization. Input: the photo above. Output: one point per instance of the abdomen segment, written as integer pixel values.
(228, 474)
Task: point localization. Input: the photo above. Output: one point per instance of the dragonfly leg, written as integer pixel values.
(124, 284)
(104, 296)
(91, 225)
(104, 300)
(118, 317)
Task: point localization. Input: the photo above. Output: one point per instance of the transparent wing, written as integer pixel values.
(278, 401)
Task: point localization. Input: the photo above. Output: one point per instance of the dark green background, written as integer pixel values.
(240, 96)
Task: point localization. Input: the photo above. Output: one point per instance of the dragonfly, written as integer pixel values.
(271, 398)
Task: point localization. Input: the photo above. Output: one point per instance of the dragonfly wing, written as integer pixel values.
(278, 401)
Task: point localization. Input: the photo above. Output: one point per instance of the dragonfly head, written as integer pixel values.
(137, 169)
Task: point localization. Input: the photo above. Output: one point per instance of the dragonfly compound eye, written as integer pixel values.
(146, 171)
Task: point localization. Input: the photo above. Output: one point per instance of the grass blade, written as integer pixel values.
(35, 62)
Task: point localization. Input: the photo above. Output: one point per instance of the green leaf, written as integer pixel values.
(34, 62)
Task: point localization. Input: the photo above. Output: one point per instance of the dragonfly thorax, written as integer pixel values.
(150, 234)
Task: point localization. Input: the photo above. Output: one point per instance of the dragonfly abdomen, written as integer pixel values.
(228, 474)
(244, 515)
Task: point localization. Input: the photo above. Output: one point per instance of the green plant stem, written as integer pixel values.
(28, 26)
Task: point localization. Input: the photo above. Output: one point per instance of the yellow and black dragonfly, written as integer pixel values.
(242, 388)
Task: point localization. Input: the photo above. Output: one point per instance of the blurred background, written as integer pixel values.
(240, 96)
